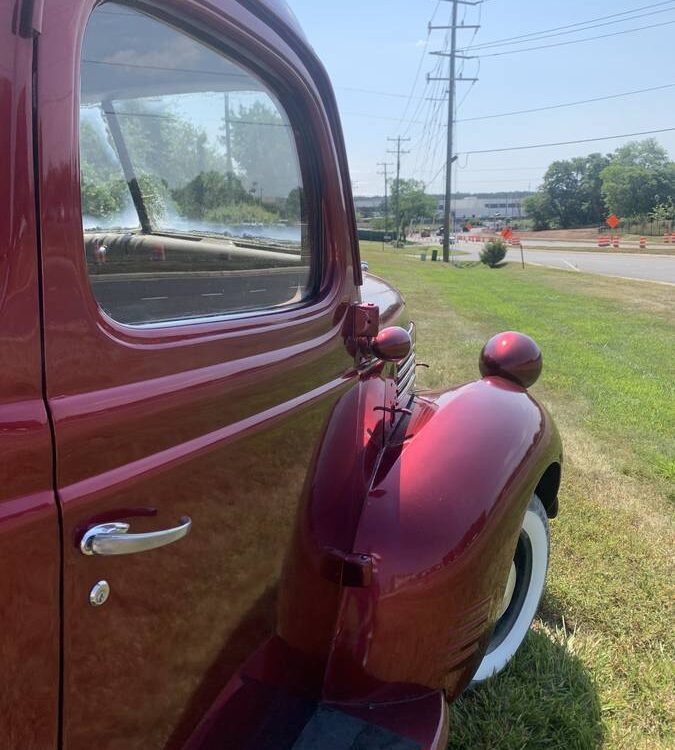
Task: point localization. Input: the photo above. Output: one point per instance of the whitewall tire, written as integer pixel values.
(523, 592)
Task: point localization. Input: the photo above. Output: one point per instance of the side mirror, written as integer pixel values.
(512, 355)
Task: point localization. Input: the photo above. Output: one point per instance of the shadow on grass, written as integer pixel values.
(544, 700)
(466, 264)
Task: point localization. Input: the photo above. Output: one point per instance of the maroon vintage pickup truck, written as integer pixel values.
(227, 518)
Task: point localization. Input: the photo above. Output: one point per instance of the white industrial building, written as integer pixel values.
(492, 207)
(498, 206)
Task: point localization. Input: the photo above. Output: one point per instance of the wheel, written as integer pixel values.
(524, 590)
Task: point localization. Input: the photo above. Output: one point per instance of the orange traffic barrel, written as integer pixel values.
(643, 243)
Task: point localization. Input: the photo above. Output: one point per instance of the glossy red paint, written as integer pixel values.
(348, 551)
(441, 522)
(392, 344)
(218, 420)
(29, 532)
(514, 356)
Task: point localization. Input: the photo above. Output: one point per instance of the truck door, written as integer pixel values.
(197, 273)
(29, 527)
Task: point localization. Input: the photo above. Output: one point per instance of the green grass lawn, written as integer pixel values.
(597, 669)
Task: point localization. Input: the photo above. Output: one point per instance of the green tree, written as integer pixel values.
(166, 152)
(638, 178)
(97, 153)
(156, 197)
(413, 201)
(208, 191)
(165, 144)
(294, 204)
(264, 150)
(648, 153)
(593, 203)
(562, 185)
(101, 198)
(571, 194)
(241, 213)
(663, 211)
(538, 208)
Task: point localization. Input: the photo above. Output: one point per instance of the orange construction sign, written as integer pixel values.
(613, 221)
(507, 233)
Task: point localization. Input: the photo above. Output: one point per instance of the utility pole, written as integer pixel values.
(228, 136)
(452, 79)
(398, 141)
(385, 165)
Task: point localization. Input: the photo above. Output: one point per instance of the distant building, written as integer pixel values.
(487, 206)
(493, 207)
(369, 206)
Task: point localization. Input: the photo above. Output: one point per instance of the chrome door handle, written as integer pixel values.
(112, 538)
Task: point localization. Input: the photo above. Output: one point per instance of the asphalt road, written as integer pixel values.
(644, 267)
(137, 299)
(588, 244)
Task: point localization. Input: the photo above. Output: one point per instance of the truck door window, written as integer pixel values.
(192, 191)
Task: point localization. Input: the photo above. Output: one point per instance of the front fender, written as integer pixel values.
(441, 522)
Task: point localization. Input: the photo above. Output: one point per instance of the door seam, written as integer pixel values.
(43, 377)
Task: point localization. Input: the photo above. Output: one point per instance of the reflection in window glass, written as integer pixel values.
(192, 194)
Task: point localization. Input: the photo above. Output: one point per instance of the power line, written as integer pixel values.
(491, 181)
(567, 143)
(506, 169)
(526, 111)
(568, 104)
(498, 169)
(435, 177)
(377, 93)
(431, 130)
(579, 41)
(590, 24)
(419, 70)
(577, 31)
(547, 145)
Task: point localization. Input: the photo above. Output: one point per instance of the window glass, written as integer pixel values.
(192, 192)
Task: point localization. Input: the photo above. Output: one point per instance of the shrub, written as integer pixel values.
(493, 253)
(241, 213)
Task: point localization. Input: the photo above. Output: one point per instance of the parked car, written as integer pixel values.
(228, 516)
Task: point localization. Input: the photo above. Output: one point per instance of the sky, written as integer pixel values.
(373, 50)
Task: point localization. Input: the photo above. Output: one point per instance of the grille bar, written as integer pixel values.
(406, 370)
